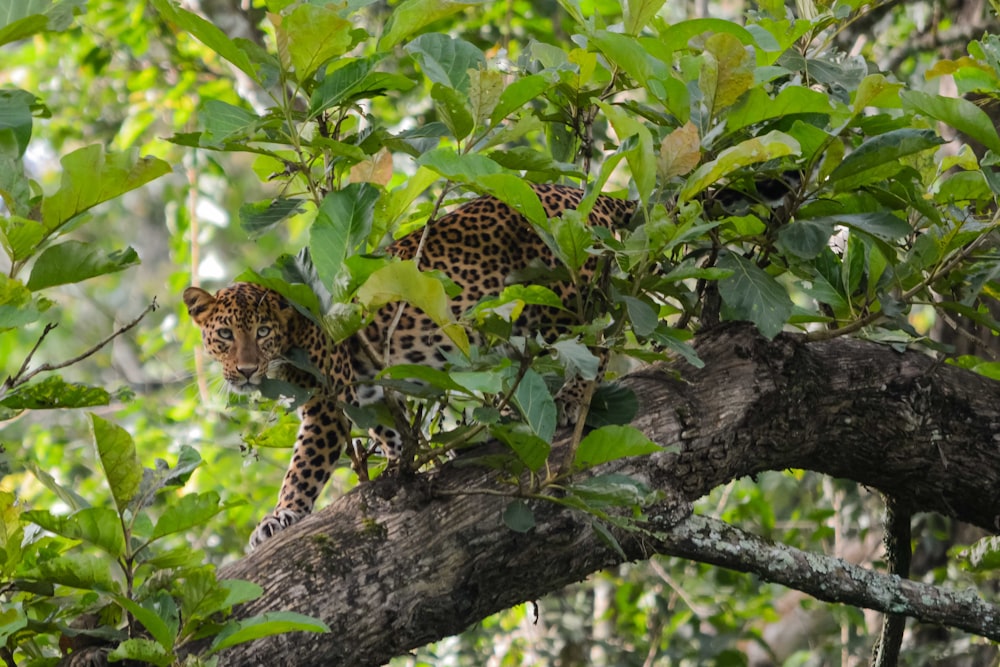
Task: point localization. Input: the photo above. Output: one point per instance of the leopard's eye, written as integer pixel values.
(225, 334)
(262, 332)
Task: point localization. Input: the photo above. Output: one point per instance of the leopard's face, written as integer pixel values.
(245, 327)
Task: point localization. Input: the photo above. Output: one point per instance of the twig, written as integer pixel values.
(24, 376)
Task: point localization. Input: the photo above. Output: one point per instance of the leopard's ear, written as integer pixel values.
(198, 303)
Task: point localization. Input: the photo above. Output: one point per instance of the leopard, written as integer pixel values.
(254, 332)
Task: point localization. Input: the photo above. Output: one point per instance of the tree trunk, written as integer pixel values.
(396, 564)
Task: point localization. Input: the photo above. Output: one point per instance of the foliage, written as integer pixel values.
(779, 181)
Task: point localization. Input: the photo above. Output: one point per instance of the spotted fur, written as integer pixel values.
(251, 331)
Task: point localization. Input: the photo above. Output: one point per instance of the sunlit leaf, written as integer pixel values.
(143, 650)
(403, 281)
(310, 36)
(411, 16)
(118, 458)
(446, 60)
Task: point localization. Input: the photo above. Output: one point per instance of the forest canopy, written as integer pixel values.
(799, 318)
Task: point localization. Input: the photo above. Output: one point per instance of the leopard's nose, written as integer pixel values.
(247, 371)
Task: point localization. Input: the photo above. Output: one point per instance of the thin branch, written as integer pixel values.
(23, 375)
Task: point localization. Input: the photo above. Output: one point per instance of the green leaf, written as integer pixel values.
(465, 168)
(485, 88)
(726, 72)
(418, 373)
(536, 405)
(610, 443)
(54, 393)
(959, 113)
(192, 510)
(518, 516)
(644, 317)
(351, 81)
(259, 216)
(984, 555)
(118, 458)
(239, 591)
(164, 632)
(446, 60)
(15, 115)
(516, 193)
(453, 110)
(515, 96)
(411, 16)
(224, 122)
(341, 229)
(310, 36)
(577, 359)
(23, 18)
(90, 177)
(638, 13)
(861, 166)
(17, 307)
(772, 145)
(265, 625)
(606, 536)
(403, 281)
(83, 571)
(76, 261)
(209, 35)
(532, 450)
(102, 527)
(754, 295)
(11, 620)
(20, 237)
(882, 225)
(142, 650)
(806, 238)
(757, 106)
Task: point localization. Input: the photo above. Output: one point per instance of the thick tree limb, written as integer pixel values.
(397, 564)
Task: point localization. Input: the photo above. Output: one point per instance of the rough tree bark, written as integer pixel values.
(399, 563)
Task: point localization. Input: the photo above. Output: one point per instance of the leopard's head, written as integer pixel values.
(246, 327)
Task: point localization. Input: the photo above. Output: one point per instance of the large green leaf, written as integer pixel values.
(190, 511)
(515, 96)
(55, 393)
(268, 624)
(453, 109)
(757, 106)
(84, 571)
(959, 113)
(861, 166)
(446, 60)
(752, 151)
(118, 458)
(753, 295)
(341, 229)
(15, 116)
(208, 34)
(260, 216)
(23, 18)
(76, 261)
(90, 176)
(411, 16)
(403, 281)
(536, 405)
(531, 449)
(610, 443)
(310, 36)
(222, 122)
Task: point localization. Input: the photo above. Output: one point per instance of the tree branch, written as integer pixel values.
(398, 563)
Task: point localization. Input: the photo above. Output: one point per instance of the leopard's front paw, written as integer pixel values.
(281, 518)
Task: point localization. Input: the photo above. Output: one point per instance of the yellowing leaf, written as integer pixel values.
(403, 281)
(680, 152)
(727, 72)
